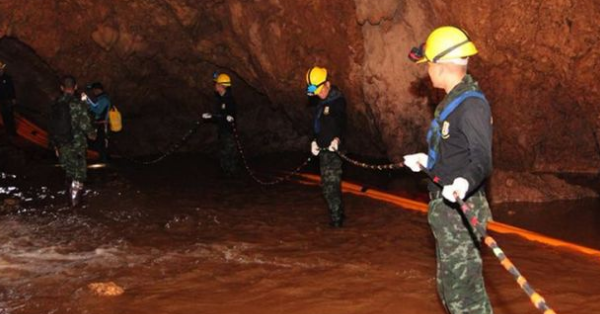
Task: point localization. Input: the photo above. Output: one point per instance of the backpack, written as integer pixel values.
(114, 119)
(61, 122)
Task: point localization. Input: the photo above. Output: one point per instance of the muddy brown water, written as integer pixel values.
(179, 238)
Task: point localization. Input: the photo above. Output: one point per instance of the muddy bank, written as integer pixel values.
(180, 239)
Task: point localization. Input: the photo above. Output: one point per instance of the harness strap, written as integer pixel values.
(435, 129)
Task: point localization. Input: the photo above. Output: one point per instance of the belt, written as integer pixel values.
(438, 194)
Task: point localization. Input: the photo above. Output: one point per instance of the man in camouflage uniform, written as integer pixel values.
(460, 155)
(329, 125)
(71, 149)
(224, 116)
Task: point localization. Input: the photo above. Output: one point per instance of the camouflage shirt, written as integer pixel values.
(81, 124)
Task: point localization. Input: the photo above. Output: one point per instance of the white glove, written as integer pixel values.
(460, 186)
(84, 97)
(206, 115)
(415, 161)
(334, 145)
(229, 119)
(314, 148)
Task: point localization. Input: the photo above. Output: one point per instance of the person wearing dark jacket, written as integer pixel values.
(99, 107)
(8, 101)
(460, 154)
(328, 125)
(224, 116)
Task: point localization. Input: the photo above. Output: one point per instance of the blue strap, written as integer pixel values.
(458, 101)
(435, 124)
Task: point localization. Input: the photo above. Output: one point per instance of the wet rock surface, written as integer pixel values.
(507, 186)
(106, 289)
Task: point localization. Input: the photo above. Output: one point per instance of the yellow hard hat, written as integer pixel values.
(445, 43)
(222, 79)
(315, 79)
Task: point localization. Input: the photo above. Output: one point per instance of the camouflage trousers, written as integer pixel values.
(331, 182)
(459, 266)
(73, 159)
(228, 154)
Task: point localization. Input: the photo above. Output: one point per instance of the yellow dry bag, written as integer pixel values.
(114, 119)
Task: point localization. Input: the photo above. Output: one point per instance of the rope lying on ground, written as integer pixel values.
(252, 173)
(537, 300)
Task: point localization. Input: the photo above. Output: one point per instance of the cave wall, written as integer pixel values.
(536, 64)
(156, 59)
(392, 83)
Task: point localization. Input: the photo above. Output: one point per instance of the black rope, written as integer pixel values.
(170, 150)
(252, 173)
(369, 166)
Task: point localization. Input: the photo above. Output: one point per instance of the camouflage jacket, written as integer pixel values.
(81, 124)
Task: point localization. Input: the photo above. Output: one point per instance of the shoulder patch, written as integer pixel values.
(446, 130)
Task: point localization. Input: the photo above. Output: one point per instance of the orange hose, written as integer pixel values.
(423, 207)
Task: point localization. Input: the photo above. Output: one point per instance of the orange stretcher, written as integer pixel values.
(36, 135)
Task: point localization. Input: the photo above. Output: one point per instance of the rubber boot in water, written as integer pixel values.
(75, 192)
